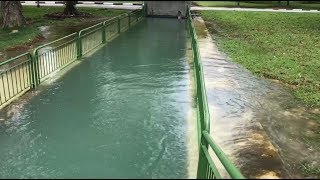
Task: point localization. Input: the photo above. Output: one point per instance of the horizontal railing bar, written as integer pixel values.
(41, 46)
(99, 24)
(15, 58)
(59, 46)
(203, 116)
(211, 163)
(28, 61)
(231, 169)
(90, 32)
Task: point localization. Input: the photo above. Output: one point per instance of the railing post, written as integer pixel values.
(31, 71)
(79, 46)
(203, 164)
(35, 69)
(119, 25)
(103, 33)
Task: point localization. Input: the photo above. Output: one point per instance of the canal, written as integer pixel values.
(126, 111)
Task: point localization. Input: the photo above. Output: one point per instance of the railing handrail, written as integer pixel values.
(111, 20)
(203, 94)
(14, 58)
(231, 169)
(44, 45)
(90, 27)
(205, 131)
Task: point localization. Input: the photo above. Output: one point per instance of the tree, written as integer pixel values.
(12, 14)
(70, 9)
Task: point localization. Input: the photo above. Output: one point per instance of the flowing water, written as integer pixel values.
(257, 122)
(125, 112)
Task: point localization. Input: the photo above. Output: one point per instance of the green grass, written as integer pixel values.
(229, 4)
(310, 170)
(262, 4)
(35, 17)
(283, 46)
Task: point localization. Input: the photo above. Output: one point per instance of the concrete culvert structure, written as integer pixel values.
(167, 8)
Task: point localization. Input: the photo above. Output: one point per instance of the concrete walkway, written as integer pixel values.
(252, 9)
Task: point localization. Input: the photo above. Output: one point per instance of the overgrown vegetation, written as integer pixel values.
(282, 46)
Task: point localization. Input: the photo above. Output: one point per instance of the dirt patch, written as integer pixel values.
(61, 15)
(26, 46)
(273, 79)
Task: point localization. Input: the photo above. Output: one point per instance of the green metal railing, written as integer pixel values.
(206, 167)
(27, 71)
(91, 37)
(111, 29)
(53, 56)
(124, 22)
(15, 77)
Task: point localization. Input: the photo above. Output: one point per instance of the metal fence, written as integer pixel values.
(54, 56)
(111, 29)
(27, 71)
(15, 77)
(124, 22)
(206, 167)
(91, 37)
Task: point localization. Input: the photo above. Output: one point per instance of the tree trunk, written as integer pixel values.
(12, 14)
(70, 8)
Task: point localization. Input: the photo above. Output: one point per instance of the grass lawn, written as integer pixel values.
(262, 4)
(282, 46)
(35, 17)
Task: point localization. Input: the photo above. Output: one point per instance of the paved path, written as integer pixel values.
(252, 9)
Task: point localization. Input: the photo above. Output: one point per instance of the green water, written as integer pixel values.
(122, 113)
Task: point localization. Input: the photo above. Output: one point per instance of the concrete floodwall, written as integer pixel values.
(167, 8)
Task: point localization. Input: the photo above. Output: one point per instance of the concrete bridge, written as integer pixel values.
(167, 8)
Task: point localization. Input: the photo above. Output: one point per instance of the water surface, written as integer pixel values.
(124, 112)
